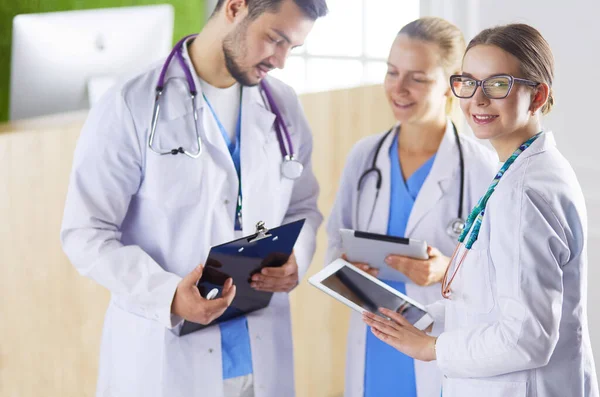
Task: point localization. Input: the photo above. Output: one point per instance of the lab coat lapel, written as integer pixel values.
(445, 166)
(176, 103)
(257, 122)
(381, 213)
(257, 125)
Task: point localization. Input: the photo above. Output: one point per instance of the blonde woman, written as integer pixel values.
(413, 181)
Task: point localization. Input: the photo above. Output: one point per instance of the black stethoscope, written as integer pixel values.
(456, 225)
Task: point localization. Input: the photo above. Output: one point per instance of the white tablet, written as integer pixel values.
(372, 249)
(363, 292)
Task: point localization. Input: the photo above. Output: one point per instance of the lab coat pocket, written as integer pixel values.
(172, 181)
(134, 348)
(478, 387)
(474, 282)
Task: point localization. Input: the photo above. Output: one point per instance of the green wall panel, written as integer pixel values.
(189, 17)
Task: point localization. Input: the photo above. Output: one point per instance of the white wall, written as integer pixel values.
(209, 7)
(571, 28)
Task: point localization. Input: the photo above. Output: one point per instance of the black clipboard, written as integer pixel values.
(241, 259)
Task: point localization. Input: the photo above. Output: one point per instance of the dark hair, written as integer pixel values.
(313, 9)
(529, 47)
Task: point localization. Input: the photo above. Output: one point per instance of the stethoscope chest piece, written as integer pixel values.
(455, 227)
(291, 168)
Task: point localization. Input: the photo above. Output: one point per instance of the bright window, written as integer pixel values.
(348, 47)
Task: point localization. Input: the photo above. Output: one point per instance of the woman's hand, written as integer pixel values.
(401, 335)
(363, 266)
(421, 272)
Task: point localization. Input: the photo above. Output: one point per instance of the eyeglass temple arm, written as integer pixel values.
(527, 82)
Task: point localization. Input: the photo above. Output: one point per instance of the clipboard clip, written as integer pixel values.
(261, 232)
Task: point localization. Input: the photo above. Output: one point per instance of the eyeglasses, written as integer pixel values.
(495, 87)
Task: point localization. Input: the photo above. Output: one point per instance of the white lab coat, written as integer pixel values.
(136, 222)
(516, 323)
(435, 206)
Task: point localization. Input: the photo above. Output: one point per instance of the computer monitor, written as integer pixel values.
(63, 61)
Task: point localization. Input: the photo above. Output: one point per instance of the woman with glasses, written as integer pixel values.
(414, 180)
(515, 310)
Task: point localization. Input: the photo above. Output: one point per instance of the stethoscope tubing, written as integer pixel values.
(377, 171)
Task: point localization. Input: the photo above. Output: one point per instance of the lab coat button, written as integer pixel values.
(226, 201)
(210, 350)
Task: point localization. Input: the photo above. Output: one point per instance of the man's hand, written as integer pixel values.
(191, 306)
(277, 279)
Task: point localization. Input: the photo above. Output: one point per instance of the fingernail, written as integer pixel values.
(388, 259)
(255, 278)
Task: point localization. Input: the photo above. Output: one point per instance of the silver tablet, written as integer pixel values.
(363, 292)
(372, 249)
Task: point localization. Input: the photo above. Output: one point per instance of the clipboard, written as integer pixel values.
(240, 259)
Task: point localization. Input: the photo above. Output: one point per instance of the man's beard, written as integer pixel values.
(234, 47)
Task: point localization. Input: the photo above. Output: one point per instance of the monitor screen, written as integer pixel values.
(64, 61)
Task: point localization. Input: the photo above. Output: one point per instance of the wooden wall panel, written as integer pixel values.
(50, 316)
(338, 120)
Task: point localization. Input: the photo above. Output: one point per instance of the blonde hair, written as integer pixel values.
(531, 49)
(446, 36)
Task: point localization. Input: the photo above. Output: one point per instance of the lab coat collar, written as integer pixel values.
(176, 102)
(540, 145)
(444, 171)
(543, 143)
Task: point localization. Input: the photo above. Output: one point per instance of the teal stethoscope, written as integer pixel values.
(473, 223)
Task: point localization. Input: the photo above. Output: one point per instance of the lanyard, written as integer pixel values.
(234, 150)
(476, 216)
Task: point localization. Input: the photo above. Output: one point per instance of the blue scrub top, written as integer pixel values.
(387, 371)
(235, 337)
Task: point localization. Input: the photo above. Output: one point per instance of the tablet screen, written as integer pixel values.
(370, 295)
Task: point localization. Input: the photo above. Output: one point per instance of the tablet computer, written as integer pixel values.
(363, 292)
(372, 249)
